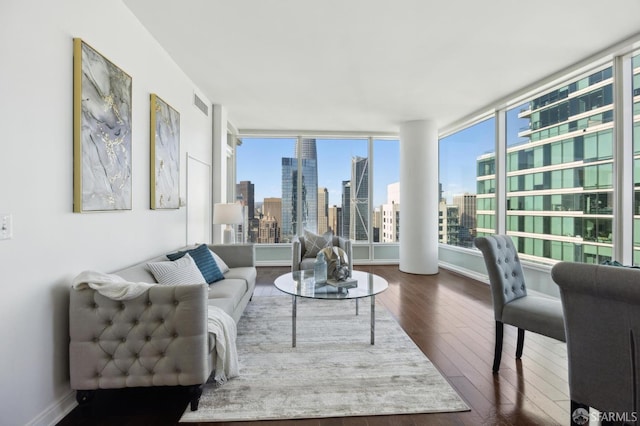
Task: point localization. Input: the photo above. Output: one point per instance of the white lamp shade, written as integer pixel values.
(227, 214)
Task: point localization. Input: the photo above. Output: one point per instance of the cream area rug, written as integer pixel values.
(333, 371)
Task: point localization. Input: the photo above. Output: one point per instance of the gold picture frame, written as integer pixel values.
(101, 132)
(165, 155)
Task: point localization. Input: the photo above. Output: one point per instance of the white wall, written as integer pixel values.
(51, 244)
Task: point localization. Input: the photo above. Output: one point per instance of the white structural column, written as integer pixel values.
(219, 162)
(419, 193)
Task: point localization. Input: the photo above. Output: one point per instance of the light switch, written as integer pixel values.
(6, 226)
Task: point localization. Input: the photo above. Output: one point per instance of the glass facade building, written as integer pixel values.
(559, 175)
(308, 206)
(359, 217)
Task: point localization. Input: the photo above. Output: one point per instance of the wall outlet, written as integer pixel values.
(6, 226)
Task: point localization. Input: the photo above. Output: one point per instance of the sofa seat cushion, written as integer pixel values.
(247, 273)
(228, 289)
(227, 304)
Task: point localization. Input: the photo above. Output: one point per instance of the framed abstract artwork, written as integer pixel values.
(165, 155)
(101, 132)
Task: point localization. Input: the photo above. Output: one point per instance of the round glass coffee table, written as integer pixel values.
(302, 284)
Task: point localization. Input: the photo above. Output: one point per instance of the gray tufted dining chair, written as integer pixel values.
(512, 304)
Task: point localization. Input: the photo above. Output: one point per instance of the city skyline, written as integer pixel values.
(263, 160)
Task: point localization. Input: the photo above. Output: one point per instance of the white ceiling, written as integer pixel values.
(369, 65)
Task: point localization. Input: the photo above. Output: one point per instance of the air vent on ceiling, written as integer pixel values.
(199, 103)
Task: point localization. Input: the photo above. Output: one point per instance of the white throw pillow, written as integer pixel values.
(221, 265)
(177, 272)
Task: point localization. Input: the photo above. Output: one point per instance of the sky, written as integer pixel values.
(259, 160)
(459, 152)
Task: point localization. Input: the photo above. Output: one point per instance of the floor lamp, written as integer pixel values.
(227, 214)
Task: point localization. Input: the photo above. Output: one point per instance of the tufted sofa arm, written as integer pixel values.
(158, 338)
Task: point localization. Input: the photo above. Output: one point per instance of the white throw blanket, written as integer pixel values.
(219, 322)
(224, 328)
(109, 285)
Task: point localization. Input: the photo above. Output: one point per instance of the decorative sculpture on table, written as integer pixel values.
(337, 263)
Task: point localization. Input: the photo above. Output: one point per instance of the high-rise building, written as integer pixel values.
(559, 177)
(449, 227)
(268, 230)
(272, 208)
(391, 215)
(359, 206)
(467, 210)
(346, 209)
(376, 223)
(308, 216)
(334, 219)
(245, 194)
(323, 210)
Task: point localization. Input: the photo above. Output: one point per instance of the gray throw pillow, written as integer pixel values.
(314, 243)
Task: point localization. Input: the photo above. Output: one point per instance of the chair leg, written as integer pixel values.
(520, 344)
(579, 414)
(497, 353)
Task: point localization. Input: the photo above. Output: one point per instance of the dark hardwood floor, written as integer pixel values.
(450, 318)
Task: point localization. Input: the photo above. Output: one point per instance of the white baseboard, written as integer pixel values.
(56, 411)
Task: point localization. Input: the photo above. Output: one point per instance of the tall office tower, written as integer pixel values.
(359, 216)
(245, 194)
(391, 215)
(467, 209)
(346, 208)
(272, 207)
(559, 174)
(323, 210)
(334, 219)
(308, 215)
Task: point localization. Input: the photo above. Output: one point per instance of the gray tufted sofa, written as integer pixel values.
(512, 303)
(159, 338)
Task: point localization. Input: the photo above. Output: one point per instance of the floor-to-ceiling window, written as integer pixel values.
(386, 191)
(267, 185)
(467, 184)
(321, 184)
(559, 170)
(343, 188)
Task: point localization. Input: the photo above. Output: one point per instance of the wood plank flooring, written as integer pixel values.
(450, 318)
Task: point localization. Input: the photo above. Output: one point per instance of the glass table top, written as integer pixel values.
(302, 284)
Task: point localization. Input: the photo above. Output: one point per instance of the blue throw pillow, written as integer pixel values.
(204, 260)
